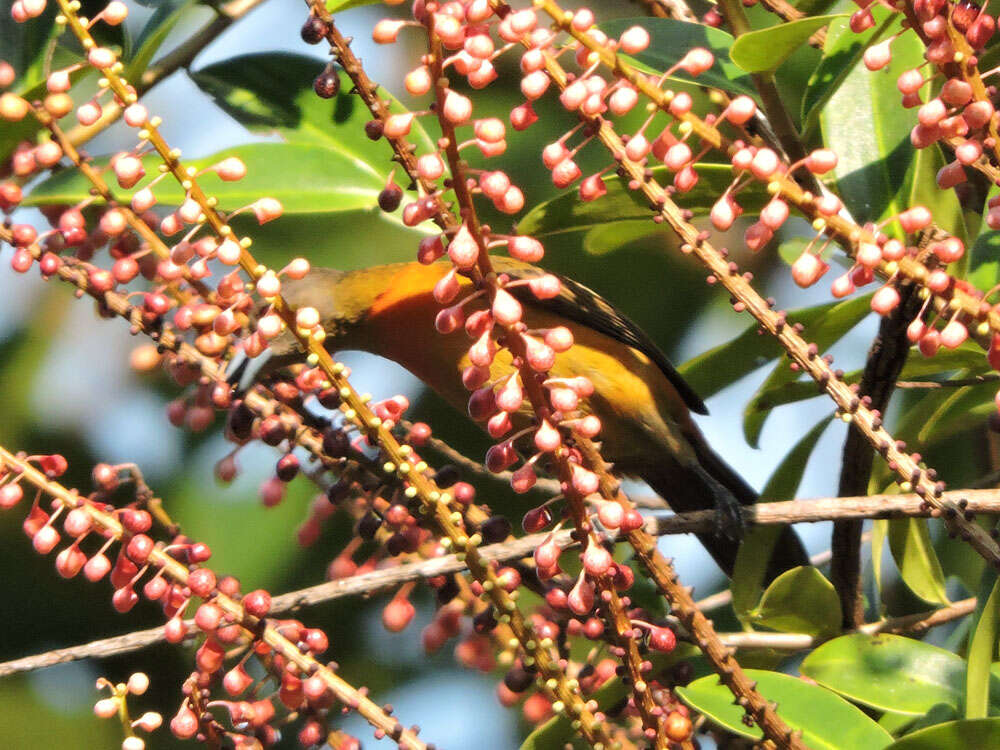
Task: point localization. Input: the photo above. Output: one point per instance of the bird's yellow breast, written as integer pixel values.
(635, 401)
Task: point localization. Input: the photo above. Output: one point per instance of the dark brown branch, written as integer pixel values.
(884, 364)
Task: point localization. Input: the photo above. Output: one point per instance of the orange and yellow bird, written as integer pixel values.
(642, 401)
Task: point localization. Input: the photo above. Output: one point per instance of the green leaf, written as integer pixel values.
(335, 6)
(943, 204)
(568, 213)
(888, 672)
(155, 33)
(764, 50)
(880, 530)
(826, 331)
(983, 265)
(982, 648)
(916, 368)
(966, 406)
(757, 543)
(239, 513)
(897, 724)
(747, 583)
(670, 40)
(723, 365)
(913, 551)
(800, 600)
(306, 179)
(826, 720)
(784, 482)
(984, 257)
(842, 52)
(968, 734)
(864, 124)
(273, 92)
(606, 238)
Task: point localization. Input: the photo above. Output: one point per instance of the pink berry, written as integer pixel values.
(696, 61)
(740, 110)
(808, 268)
(821, 161)
(878, 56)
(885, 300)
(953, 335)
(634, 40)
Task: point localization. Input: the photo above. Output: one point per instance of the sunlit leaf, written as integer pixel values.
(306, 179)
(826, 331)
(842, 52)
(888, 672)
(800, 600)
(955, 735)
(864, 124)
(913, 551)
(568, 213)
(826, 720)
(670, 40)
(711, 371)
(982, 650)
(755, 549)
(765, 50)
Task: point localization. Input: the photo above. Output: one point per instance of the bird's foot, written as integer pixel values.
(731, 524)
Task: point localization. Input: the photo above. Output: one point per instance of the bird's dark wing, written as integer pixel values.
(586, 307)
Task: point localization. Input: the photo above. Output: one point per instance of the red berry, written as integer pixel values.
(257, 603)
(662, 639)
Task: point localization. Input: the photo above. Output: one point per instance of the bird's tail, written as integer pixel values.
(712, 484)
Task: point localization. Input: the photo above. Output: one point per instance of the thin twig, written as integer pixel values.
(792, 511)
(990, 377)
(909, 624)
(108, 525)
(179, 57)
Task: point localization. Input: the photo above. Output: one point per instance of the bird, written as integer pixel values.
(645, 406)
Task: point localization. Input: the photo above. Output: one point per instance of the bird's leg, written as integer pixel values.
(731, 524)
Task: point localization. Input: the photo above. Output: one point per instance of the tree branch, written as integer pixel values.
(882, 367)
(791, 511)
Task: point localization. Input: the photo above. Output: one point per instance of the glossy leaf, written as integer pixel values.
(800, 600)
(335, 6)
(747, 583)
(880, 530)
(306, 179)
(606, 238)
(826, 720)
(916, 368)
(273, 92)
(864, 124)
(568, 213)
(155, 33)
(755, 549)
(966, 407)
(943, 204)
(888, 672)
(956, 735)
(826, 331)
(670, 40)
(984, 254)
(913, 551)
(765, 50)
(982, 650)
(723, 365)
(842, 52)
(908, 425)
